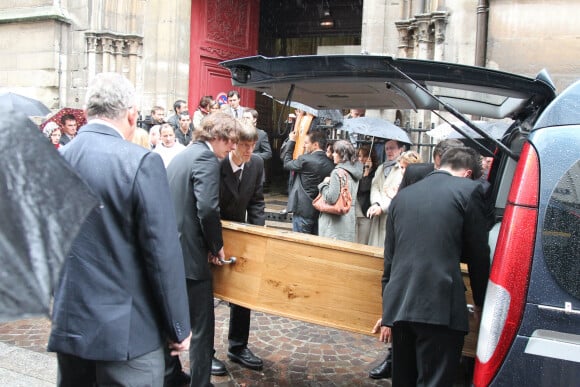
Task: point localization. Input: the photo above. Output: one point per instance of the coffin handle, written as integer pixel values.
(230, 261)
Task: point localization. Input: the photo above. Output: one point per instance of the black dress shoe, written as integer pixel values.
(218, 368)
(383, 370)
(246, 358)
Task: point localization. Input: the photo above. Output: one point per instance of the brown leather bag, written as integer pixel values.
(344, 201)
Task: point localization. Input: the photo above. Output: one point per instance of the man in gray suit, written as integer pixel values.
(122, 291)
(194, 179)
(424, 306)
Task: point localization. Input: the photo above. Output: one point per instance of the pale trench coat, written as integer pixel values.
(383, 190)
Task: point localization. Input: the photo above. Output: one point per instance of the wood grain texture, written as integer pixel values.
(305, 277)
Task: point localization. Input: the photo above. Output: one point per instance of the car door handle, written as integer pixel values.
(566, 309)
(230, 261)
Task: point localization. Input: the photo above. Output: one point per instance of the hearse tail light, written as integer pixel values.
(510, 272)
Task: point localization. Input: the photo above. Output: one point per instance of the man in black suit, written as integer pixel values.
(122, 290)
(262, 147)
(424, 306)
(242, 200)
(194, 178)
(415, 172)
(68, 123)
(309, 170)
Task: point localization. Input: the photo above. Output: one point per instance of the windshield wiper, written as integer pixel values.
(462, 118)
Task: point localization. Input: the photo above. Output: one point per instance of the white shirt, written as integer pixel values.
(167, 154)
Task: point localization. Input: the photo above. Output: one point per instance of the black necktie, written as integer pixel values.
(238, 175)
(236, 112)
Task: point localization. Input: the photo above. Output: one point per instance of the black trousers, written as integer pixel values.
(201, 314)
(239, 330)
(425, 354)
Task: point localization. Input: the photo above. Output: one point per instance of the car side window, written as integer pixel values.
(561, 232)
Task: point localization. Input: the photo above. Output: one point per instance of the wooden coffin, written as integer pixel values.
(305, 277)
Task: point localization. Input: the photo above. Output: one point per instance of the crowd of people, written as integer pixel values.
(446, 228)
(136, 288)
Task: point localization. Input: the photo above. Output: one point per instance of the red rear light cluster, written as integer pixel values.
(508, 281)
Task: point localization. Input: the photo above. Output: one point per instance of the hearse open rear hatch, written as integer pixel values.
(383, 82)
(337, 283)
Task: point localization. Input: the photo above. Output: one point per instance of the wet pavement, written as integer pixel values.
(294, 354)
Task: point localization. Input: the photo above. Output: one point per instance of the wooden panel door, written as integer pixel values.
(220, 30)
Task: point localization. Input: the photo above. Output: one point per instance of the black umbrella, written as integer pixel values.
(43, 203)
(28, 106)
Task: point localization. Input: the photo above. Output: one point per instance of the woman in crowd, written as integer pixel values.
(340, 226)
(384, 187)
(363, 197)
(52, 131)
(409, 157)
(141, 137)
(202, 110)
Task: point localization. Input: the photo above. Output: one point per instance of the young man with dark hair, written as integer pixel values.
(233, 108)
(241, 200)
(68, 123)
(309, 170)
(179, 106)
(157, 117)
(424, 307)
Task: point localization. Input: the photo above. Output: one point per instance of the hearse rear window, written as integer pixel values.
(561, 232)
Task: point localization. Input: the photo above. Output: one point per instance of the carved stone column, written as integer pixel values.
(440, 23)
(108, 60)
(423, 23)
(120, 65)
(92, 42)
(135, 53)
(403, 27)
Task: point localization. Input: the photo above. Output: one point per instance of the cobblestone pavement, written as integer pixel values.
(294, 353)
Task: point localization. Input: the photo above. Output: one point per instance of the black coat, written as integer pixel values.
(122, 289)
(432, 226)
(310, 169)
(194, 179)
(415, 172)
(245, 197)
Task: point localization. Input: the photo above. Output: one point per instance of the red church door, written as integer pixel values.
(220, 30)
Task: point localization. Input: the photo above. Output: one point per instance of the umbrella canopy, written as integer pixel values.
(28, 106)
(496, 129)
(43, 204)
(334, 115)
(324, 114)
(376, 127)
(79, 115)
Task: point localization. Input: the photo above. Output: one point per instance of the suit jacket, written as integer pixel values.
(239, 199)
(64, 139)
(194, 178)
(310, 169)
(122, 289)
(422, 279)
(416, 172)
(232, 112)
(263, 148)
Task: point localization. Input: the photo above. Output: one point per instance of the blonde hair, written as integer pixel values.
(141, 137)
(410, 157)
